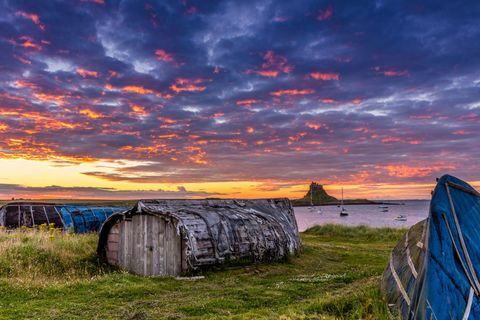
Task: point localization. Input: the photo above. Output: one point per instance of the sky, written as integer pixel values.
(243, 99)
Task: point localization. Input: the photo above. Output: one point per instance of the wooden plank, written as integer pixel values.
(173, 252)
(139, 250)
(161, 246)
(155, 221)
(113, 245)
(133, 262)
(128, 245)
(168, 249)
(149, 245)
(121, 246)
(177, 248)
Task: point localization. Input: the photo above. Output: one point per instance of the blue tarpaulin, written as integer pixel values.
(434, 271)
(72, 217)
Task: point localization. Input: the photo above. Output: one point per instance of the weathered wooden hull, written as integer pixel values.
(207, 232)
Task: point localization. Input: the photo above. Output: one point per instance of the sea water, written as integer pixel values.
(370, 215)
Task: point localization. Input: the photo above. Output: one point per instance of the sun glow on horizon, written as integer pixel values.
(34, 179)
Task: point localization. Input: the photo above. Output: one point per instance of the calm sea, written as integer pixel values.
(370, 215)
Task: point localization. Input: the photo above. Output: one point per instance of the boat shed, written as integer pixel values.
(72, 217)
(172, 237)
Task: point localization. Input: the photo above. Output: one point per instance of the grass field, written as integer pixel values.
(57, 276)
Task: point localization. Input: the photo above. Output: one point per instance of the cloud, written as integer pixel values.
(32, 17)
(324, 76)
(325, 14)
(273, 65)
(57, 192)
(87, 73)
(188, 85)
(275, 92)
(292, 92)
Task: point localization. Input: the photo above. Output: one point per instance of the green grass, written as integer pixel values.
(336, 276)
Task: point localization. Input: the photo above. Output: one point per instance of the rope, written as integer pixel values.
(457, 251)
(468, 307)
(399, 283)
(462, 241)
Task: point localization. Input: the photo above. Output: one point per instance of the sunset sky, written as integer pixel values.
(176, 99)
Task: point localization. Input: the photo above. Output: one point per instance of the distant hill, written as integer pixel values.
(321, 197)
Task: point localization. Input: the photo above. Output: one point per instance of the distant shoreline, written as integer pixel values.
(351, 203)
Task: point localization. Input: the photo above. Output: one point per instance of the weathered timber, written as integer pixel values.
(170, 237)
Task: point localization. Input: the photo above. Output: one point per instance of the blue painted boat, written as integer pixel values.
(71, 217)
(434, 271)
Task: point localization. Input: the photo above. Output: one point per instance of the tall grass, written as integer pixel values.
(45, 275)
(359, 233)
(48, 256)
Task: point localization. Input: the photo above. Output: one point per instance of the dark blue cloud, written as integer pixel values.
(228, 90)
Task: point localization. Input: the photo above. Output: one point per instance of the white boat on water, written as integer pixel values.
(343, 211)
(401, 217)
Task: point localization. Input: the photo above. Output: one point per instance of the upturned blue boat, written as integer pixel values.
(434, 271)
(70, 217)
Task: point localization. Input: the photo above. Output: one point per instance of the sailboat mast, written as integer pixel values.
(342, 197)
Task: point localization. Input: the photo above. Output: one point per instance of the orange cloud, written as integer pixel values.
(357, 101)
(325, 14)
(268, 73)
(28, 43)
(391, 72)
(415, 141)
(91, 114)
(250, 130)
(32, 17)
(167, 120)
(421, 117)
(391, 139)
(246, 103)
(189, 85)
(292, 92)
(138, 110)
(324, 76)
(112, 74)
(25, 84)
(314, 125)
(164, 56)
(328, 100)
(136, 89)
(51, 98)
(23, 60)
(101, 2)
(3, 127)
(87, 73)
(296, 137)
(30, 149)
(273, 65)
(407, 171)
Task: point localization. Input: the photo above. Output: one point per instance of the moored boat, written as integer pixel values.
(343, 211)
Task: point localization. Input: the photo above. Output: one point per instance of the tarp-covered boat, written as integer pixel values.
(77, 218)
(171, 237)
(434, 271)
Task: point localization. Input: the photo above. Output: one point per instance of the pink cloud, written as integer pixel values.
(325, 14)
